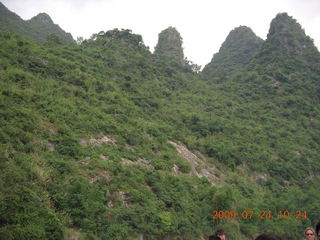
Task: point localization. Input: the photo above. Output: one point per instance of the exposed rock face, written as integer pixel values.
(199, 167)
(42, 18)
(97, 141)
(170, 45)
(240, 46)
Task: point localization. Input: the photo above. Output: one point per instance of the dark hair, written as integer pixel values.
(268, 236)
(219, 232)
(318, 228)
(213, 237)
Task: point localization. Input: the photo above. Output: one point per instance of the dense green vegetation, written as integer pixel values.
(86, 129)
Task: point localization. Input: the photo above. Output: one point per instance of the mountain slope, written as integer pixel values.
(44, 26)
(105, 140)
(38, 28)
(240, 46)
(59, 155)
(288, 43)
(280, 87)
(10, 21)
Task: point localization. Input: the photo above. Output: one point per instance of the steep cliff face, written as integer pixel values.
(170, 45)
(238, 49)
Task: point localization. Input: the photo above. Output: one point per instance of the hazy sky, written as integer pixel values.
(203, 24)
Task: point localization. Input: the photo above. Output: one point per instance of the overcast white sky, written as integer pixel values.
(203, 24)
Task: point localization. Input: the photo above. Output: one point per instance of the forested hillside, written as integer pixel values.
(106, 140)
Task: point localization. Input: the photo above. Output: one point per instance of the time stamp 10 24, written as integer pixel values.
(263, 215)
